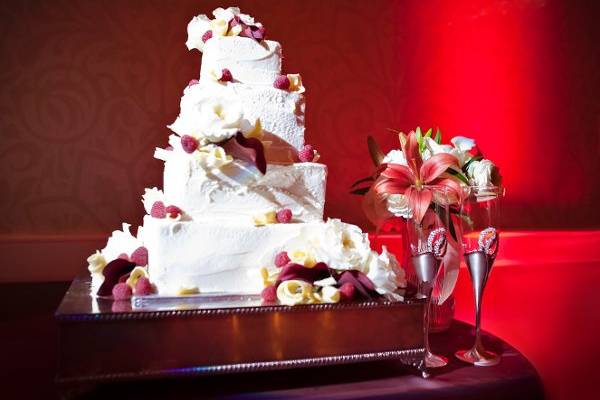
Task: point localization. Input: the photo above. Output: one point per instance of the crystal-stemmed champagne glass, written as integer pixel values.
(427, 240)
(480, 214)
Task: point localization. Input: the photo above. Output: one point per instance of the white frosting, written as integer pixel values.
(235, 191)
(281, 113)
(215, 257)
(248, 60)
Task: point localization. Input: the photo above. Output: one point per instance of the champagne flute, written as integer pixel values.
(427, 241)
(480, 214)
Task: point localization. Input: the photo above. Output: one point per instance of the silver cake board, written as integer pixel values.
(157, 337)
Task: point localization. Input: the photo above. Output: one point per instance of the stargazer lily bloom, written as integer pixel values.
(415, 180)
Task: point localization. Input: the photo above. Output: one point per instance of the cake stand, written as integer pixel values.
(158, 337)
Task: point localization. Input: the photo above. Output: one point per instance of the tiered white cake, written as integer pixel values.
(241, 184)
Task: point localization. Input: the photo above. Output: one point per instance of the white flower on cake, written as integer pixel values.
(219, 26)
(343, 246)
(214, 121)
(212, 157)
(385, 273)
(480, 173)
(293, 292)
(398, 205)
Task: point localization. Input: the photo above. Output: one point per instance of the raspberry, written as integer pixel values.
(121, 291)
(173, 211)
(143, 287)
(140, 256)
(307, 154)
(284, 216)
(226, 75)
(189, 144)
(347, 291)
(207, 35)
(123, 256)
(269, 294)
(282, 82)
(193, 82)
(282, 259)
(158, 210)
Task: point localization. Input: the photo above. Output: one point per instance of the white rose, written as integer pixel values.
(385, 273)
(480, 173)
(395, 157)
(294, 292)
(212, 157)
(343, 246)
(398, 205)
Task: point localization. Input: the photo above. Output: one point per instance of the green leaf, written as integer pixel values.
(457, 174)
(438, 136)
(429, 132)
(360, 191)
(374, 151)
(419, 135)
(363, 180)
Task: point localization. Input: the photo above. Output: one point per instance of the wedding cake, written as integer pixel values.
(241, 210)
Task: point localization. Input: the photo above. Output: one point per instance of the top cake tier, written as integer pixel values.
(249, 61)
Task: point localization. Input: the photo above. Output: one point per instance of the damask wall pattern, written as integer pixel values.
(87, 89)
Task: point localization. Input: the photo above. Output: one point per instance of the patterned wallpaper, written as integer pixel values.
(87, 88)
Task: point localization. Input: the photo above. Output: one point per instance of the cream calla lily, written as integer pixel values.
(96, 262)
(137, 273)
(293, 292)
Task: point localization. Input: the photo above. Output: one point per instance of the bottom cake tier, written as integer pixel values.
(213, 257)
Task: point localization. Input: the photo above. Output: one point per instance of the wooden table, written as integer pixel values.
(29, 336)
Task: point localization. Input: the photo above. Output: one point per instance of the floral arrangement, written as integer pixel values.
(400, 184)
(332, 265)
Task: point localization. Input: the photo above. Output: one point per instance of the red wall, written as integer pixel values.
(88, 87)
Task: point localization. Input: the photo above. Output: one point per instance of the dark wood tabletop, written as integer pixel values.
(29, 337)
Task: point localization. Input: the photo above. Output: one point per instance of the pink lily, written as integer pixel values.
(413, 180)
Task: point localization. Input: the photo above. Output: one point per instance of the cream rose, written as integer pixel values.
(210, 120)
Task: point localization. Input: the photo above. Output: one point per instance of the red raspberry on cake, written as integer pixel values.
(121, 291)
(284, 216)
(282, 82)
(189, 144)
(143, 287)
(140, 256)
(307, 154)
(282, 259)
(347, 291)
(123, 256)
(226, 75)
(193, 82)
(173, 211)
(158, 210)
(207, 35)
(269, 294)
